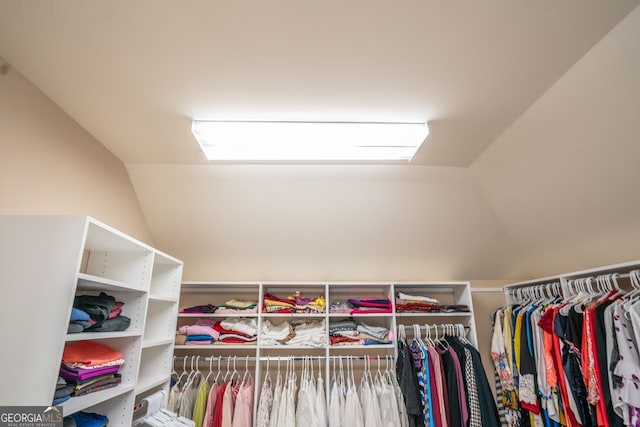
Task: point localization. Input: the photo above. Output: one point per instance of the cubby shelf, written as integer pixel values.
(54, 258)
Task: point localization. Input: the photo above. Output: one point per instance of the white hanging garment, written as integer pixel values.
(402, 409)
(320, 404)
(335, 411)
(387, 403)
(274, 419)
(265, 404)
(305, 412)
(290, 402)
(353, 409)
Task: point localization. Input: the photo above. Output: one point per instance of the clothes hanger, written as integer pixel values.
(210, 369)
(198, 374)
(427, 337)
(234, 374)
(463, 334)
(246, 371)
(184, 371)
(173, 371)
(219, 371)
(267, 374)
(440, 340)
(191, 371)
(226, 374)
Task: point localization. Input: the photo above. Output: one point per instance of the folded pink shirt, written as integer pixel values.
(199, 330)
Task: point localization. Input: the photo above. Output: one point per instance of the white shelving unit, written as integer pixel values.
(46, 262)
(216, 293)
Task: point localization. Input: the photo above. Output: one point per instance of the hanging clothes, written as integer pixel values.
(577, 359)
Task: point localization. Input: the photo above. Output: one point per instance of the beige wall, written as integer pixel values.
(324, 222)
(484, 303)
(50, 165)
(563, 179)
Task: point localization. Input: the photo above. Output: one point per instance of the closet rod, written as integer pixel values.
(275, 358)
(609, 275)
(441, 326)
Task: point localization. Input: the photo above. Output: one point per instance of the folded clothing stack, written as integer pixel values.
(370, 305)
(63, 392)
(348, 332)
(235, 306)
(89, 367)
(293, 304)
(306, 333)
(97, 313)
(200, 333)
(406, 303)
(199, 309)
(237, 330)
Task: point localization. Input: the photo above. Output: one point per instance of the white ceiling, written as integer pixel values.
(135, 73)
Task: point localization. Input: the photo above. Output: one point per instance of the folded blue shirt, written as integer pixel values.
(77, 314)
(88, 419)
(198, 338)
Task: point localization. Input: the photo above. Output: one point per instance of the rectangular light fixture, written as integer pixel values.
(308, 141)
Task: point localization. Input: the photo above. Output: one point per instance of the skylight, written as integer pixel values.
(308, 141)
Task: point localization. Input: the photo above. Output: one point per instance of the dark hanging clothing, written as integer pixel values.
(455, 417)
(488, 408)
(408, 381)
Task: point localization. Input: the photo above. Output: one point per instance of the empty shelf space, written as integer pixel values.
(102, 335)
(162, 298)
(157, 343)
(96, 283)
(145, 384)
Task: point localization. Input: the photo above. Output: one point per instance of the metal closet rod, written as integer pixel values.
(276, 358)
(571, 282)
(571, 279)
(427, 326)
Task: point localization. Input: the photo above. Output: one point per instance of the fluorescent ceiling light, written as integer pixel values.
(308, 141)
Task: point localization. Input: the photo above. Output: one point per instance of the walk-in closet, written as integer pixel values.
(320, 214)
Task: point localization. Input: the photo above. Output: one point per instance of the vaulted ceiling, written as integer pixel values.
(134, 74)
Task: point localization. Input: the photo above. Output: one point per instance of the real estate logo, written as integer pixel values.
(30, 416)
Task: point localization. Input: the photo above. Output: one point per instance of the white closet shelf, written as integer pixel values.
(456, 314)
(76, 404)
(360, 346)
(162, 298)
(215, 315)
(291, 347)
(361, 315)
(103, 335)
(146, 384)
(215, 346)
(294, 315)
(78, 255)
(90, 282)
(157, 343)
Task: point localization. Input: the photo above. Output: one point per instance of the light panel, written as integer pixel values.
(308, 141)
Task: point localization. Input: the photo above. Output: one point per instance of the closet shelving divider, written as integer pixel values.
(211, 292)
(46, 262)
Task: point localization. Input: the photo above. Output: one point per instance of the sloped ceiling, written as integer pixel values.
(563, 180)
(135, 75)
